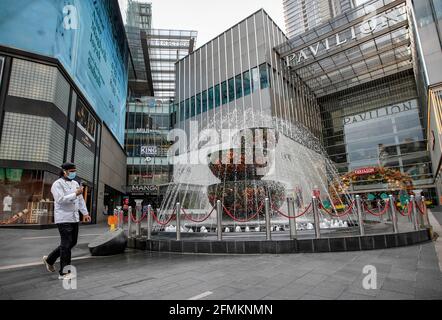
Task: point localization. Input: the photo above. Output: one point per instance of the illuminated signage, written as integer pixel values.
(169, 43)
(144, 189)
(149, 150)
(354, 33)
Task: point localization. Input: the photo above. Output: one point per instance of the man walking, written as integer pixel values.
(68, 200)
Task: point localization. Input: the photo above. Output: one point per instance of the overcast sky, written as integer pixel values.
(209, 17)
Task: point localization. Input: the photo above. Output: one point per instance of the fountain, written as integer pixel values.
(241, 162)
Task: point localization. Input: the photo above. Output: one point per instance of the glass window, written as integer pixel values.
(182, 111)
(238, 84)
(26, 197)
(224, 93)
(269, 76)
(231, 89)
(204, 101)
(217, 96)
(246, 83)
(211, 101)
(198, 103)
(192, 107)
(423, 12)
(263, 74)
(187, 108)
(255, 79)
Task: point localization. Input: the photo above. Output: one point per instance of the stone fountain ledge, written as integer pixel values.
(205, 245)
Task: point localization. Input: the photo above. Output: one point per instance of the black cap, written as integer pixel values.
(68, 166)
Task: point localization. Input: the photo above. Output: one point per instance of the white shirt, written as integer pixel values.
(66, 202)
(7, 203)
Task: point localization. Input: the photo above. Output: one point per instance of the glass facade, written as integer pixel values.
(45, 123)
(26, 197)
(378, 125)
(231, 90)
(165, 48)
(148, 123)
(151, 112)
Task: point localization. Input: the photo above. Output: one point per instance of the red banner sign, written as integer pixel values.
(364, 171)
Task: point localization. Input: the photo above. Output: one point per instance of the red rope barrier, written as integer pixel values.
(189, 217)
(402, 213)
(173, 216)
(134, 220)
(422, 211)
(337, 215)
(240, 220)
(380, 213)
(295, 217)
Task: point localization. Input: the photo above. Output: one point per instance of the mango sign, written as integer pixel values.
(364, 171)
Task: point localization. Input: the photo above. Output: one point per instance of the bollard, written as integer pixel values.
(393, 214)
(421, 217)
(138, 209)
(219, 220)
(378, 203)
(316, 218)
(360, 217)
(120, 217)
(292, 222)
(415, 217)
(427, 218)
(178, 221)
(149, 222)
(129, 222)
(267, 216)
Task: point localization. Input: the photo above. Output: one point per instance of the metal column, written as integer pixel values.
(267, 216)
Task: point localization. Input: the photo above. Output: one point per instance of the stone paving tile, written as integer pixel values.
(428, 293)
(313, 297)
(392, 295)
(399, 286)
(346, 295)
(403, 273)
(311, 279)
(220, 293)
(328, 290)
(252, 293)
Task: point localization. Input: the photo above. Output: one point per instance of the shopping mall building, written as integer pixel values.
(63, 90)
(363, 82)
(150, 109)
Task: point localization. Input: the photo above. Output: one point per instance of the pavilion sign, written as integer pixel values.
(382, 112)
(369, 26)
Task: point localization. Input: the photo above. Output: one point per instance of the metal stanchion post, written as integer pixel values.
(138, 209)
(267, 216)
(360, 217)
(426, 212)
(393, 214)
(316, 218)
(415, 217)
(129, 222)
(120, 218)
(219, 220)
(149, 222)
(292, 213)
(178, 221)
(381, 217)
(421, 215)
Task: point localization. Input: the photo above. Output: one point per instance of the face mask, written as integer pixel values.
(71, 175)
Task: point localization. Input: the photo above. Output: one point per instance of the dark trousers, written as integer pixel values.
(69, 237)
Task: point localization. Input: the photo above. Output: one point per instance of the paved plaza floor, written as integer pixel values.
(402, 273)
